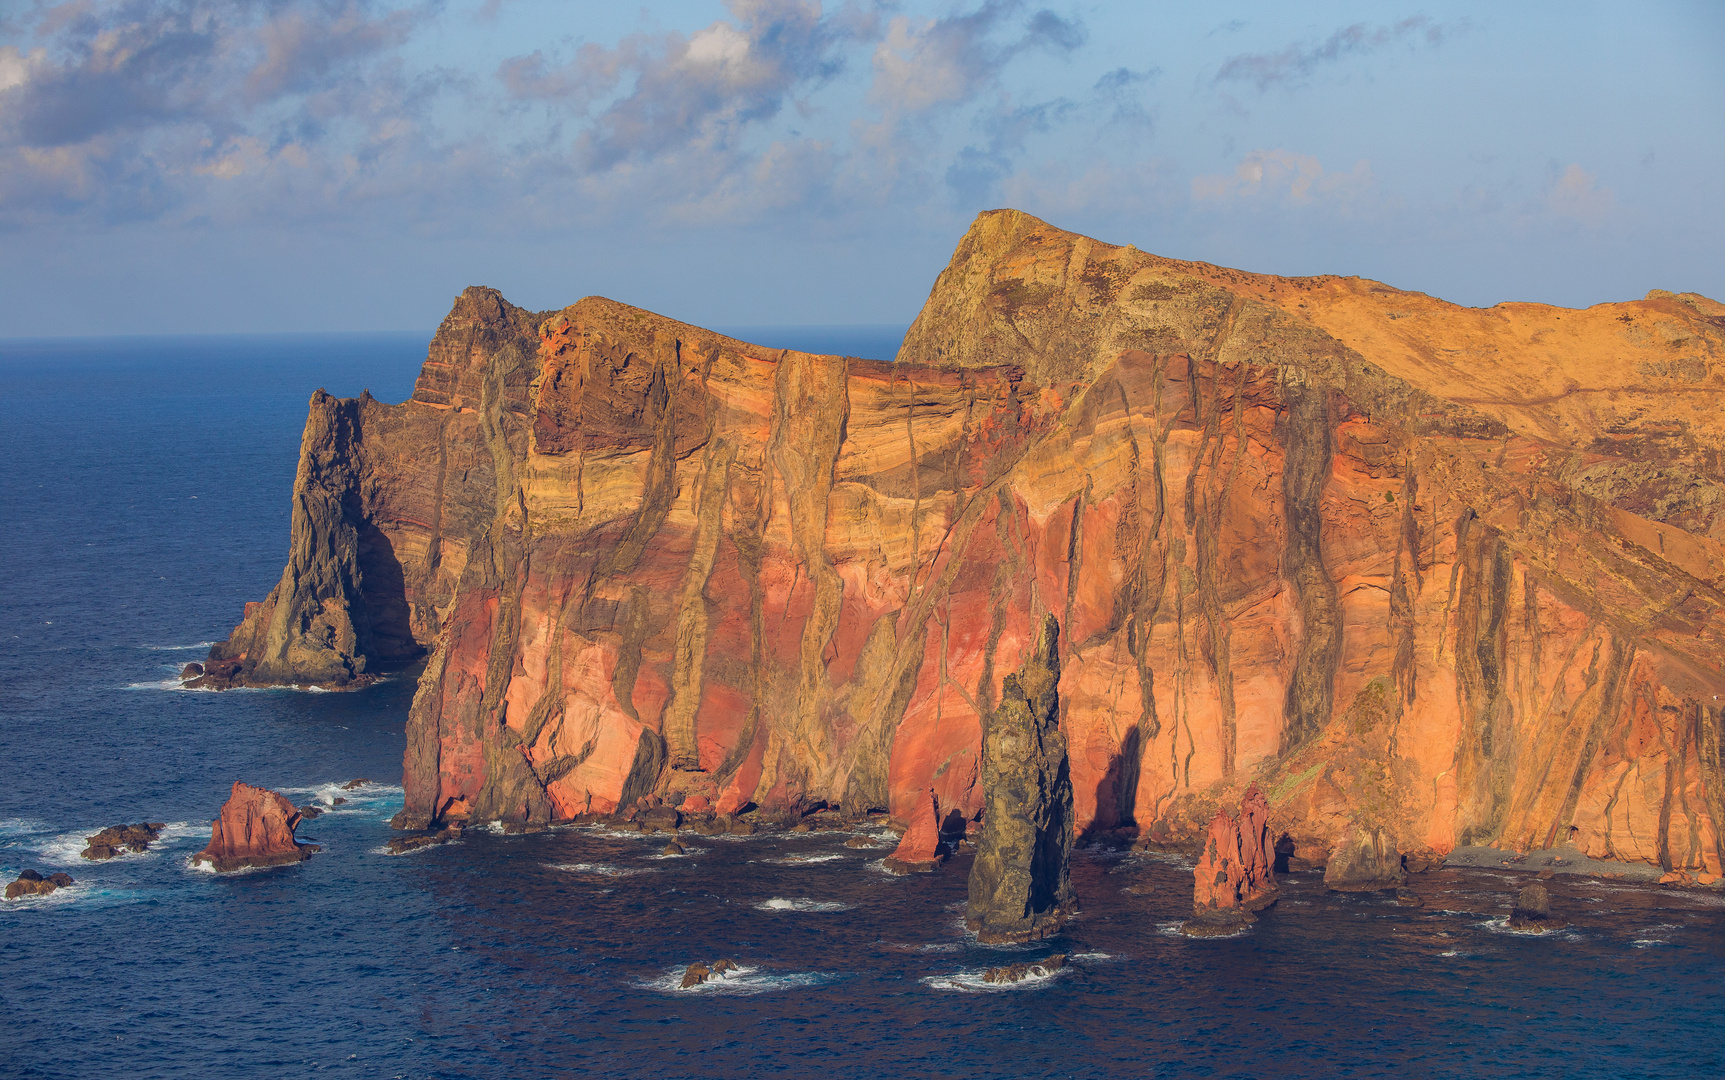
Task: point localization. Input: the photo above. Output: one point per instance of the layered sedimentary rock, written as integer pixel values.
(1451, 574)
(1020, 883)
(255, 829)
(1236, 872)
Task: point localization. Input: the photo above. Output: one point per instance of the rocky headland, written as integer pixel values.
(255, 829)
(1430, 576)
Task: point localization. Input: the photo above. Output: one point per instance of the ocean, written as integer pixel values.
(144, 497)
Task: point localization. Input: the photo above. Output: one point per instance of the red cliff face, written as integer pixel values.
(1445, 575)
(255, 828)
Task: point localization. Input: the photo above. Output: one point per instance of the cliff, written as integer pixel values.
(1453, 575)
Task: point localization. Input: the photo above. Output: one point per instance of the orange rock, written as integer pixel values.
(256, 828)
(918, 849)
(1462, 566)
(1236, 873)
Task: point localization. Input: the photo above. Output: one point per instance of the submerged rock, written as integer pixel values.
(1012, 973)
(918, 850)
(698, 973)
(256, 828)
(351, 784)
(31, 883)
(673, 848)
(117, 839)
(1532, 911)
(309, 811)
(1409, 898)
(1020, 884)
(1367, 861)
(863, 841)
(1236, 874)
(401, 845)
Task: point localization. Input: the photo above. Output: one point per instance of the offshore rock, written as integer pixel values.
(255, 829)
(1236, 874)
(698, 972)
(118, 839)
(918, 850)
(32, 883)
(401, 845)
(1020, 883)
(1459, 568)
(1012, 973)
(1366, 862)
(1532, 911)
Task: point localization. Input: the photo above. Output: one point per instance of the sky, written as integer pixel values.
(191, 166)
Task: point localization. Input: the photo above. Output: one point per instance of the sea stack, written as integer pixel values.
(1532, 912)
(1365, 861)
(918, 850)
(1236, 874)
(1020, 885)
(255, 828)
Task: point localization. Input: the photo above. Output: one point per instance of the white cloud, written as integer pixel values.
(1283, 178)
(1575, 193)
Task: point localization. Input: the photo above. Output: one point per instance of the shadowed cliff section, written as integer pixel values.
(1437, 572)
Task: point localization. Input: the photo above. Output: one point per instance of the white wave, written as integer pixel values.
(744, 980)
(779, 903)
(177, 648)
(174, 684)
(674, 854)
(1093, 957)
(601, 869)
(383, 849)
(931, 947)
(805, 860)
(1500, 925)
(1172, 929)
(1647, 943)
(972, 981)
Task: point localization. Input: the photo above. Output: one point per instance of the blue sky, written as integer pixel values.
(195, 165)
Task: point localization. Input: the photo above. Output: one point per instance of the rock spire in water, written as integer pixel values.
(1236, 874)
(255, 828)
(1020, 886)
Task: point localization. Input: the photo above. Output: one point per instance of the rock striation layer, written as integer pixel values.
(1453, 574)
(255, 829)
(1020, 883)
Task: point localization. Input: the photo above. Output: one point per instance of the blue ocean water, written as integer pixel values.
(144, 497)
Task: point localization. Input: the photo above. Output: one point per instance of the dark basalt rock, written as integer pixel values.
(191, 671)
(1532, 912)
(31, 883)
(401, 845)
(660, 819)
(117, 839)
(1012, 973)
(699, 973)
(673, 848)
(351, 784)
(309, 811)
(1020, 883)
